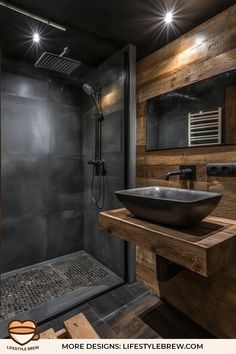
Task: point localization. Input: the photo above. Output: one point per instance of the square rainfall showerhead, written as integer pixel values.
(57, 63)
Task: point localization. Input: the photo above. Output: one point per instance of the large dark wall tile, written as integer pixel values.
(64, 183)
(24, 125)
(65, 135)
(24, 242)
(100, 244)
(106, 248)
(88, 142)
(64, 233)
(63, 94)
(23, 86)
(114, 164)
(24, 189)
(112, 132)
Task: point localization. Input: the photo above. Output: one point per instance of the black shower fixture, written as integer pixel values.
(98, 163)
(58, 62)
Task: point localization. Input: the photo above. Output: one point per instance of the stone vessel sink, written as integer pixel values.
(169, 206)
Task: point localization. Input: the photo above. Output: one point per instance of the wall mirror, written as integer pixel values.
(200, 114)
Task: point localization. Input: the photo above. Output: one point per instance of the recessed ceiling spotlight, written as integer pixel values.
(36, 37)
(168, 17)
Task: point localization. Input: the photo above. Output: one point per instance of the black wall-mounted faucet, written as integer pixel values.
(186, 173)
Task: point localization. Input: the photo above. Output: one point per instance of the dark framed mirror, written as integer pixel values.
(200, 114)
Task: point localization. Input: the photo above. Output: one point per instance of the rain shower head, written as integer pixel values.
(57, 63)
(88, 89)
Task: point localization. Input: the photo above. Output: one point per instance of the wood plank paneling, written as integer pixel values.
(146, 269)
(211, 38)
(141, 124)
(208, 50)
(193, 155)
(193, 53)
(194, 73)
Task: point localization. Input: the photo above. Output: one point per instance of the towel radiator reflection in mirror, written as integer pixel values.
(205, 128)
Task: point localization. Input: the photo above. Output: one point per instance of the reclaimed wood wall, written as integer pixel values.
(208, 50)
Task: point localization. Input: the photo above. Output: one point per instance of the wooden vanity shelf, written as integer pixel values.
(204, 249)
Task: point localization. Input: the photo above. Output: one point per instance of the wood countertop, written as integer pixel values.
(205, 248)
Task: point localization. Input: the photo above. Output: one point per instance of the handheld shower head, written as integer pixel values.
(88, 90)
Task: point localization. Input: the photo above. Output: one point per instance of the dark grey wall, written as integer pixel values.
(41, 167)
(111, 75)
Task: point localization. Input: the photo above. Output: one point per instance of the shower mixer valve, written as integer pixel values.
(99, 166)
(96, 162)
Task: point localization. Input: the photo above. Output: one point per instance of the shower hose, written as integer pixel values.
(99, 197)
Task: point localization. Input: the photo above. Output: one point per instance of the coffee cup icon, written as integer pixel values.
(23, 332)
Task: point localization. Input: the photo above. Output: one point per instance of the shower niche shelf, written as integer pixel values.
(204, 249)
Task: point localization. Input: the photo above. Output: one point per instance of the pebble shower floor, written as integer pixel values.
(41, 283)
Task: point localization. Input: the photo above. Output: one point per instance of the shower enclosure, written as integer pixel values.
(53, 255)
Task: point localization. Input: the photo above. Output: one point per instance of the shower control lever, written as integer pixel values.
(96, 162)
(99, 167)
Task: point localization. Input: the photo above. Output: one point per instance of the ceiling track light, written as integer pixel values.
(29, 14)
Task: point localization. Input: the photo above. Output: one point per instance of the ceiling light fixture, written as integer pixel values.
(29, 14)
(168, 17)
(36, 37)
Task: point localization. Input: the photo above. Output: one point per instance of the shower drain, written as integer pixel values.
(39, 284)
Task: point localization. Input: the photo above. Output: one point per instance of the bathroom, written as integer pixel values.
(98, 98)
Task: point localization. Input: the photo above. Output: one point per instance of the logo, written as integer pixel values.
(23, 332)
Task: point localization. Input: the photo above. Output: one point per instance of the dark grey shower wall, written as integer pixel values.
(41, 167)
(112, 76)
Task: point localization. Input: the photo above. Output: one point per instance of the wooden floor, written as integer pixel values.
(131, 311)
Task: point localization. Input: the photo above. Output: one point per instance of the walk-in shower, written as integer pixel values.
(67, 66)
(53, 254)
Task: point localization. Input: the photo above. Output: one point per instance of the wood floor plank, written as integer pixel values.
(61, 334)
(48, 334)
(80, 328)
